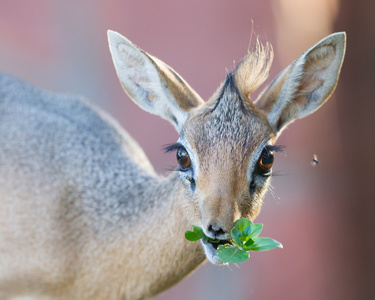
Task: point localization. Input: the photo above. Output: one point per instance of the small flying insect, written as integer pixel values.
(315, 160)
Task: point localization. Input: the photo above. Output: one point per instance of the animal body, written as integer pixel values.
(83, 213)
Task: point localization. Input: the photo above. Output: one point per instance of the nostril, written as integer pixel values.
(216, 231)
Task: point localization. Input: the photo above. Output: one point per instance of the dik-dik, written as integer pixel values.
(83, 215)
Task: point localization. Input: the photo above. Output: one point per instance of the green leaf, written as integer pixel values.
(253, 230)
(194, 235)
(208, 239)
(248, 244)
(263, 244)
(242, 223)
(237, 236)
(231, 254)
(244, 238)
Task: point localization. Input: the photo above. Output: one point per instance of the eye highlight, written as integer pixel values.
(265, 162)
(183, 158)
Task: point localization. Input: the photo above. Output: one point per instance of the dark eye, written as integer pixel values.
(183, 158)
(265, 162)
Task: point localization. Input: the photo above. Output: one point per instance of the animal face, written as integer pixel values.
(226, 147)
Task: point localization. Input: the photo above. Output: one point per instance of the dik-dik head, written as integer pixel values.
(225, 146)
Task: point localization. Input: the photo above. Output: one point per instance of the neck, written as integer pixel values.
(174, 257)
(152, 252)
(171, 256)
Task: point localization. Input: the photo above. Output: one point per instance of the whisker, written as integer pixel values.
(172, 169)
(279, 173)
(273, 194)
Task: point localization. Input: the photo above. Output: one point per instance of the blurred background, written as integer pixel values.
(324, 215)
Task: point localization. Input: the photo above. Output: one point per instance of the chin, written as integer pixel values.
(210, 252)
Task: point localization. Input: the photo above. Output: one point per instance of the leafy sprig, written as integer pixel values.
(245, 238)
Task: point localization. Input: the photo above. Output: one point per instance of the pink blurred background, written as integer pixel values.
(323, 215)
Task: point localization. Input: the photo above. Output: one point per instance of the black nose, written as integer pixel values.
(216, 231)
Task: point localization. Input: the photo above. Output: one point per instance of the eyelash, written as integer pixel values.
(172, 147)
(275, 148)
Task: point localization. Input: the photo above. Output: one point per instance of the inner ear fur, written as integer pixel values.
(306, 84)
(150, 83)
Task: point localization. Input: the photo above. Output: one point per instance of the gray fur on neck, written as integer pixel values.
(64, 136)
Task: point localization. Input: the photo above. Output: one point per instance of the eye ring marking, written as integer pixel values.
(183, 158)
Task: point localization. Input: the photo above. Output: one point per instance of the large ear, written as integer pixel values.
(304, 85)
(150, 83)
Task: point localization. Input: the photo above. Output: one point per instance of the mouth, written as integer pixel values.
(210, 246)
